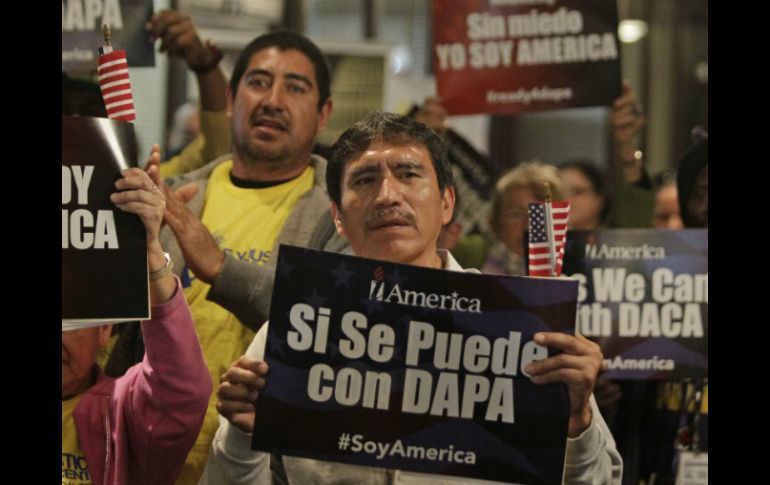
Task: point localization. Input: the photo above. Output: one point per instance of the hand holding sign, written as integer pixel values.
(577, 367)
(239, 390)
(607, 394)
(139, 195)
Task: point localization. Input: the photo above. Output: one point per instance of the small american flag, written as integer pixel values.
(114, 82)
(546, 244)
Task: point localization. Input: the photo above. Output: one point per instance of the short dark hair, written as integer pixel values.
(589, 170)
(595, 177)
(391, 128)
(285, 40)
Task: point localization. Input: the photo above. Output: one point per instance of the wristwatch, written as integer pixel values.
(158, 274)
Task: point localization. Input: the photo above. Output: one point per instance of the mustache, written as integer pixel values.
(384, 216)
(270, 112)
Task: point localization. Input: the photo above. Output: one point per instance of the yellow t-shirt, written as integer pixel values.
(245, 223)
(74, 468)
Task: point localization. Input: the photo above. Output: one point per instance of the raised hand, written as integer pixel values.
(201, 252)
(179, 38)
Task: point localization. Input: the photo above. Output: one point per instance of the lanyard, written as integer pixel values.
(688, 435)
(698, 396)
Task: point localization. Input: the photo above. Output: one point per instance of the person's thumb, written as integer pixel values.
(186, 192)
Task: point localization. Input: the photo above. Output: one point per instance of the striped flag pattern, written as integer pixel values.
(547, 220)
(115, 85)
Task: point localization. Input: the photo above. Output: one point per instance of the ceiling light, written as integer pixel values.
(632, 30)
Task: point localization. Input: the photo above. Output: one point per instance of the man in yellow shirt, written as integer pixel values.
(239, 207)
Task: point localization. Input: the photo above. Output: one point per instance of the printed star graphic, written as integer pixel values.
(371, 305)
(396, 278)
(286, 269)
(343, 275)
(315, 300)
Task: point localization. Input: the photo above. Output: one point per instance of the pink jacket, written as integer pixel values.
(138, 428)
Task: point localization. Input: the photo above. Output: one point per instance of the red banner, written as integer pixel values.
(506, 56)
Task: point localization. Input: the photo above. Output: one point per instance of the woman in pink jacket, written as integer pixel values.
(138, 428)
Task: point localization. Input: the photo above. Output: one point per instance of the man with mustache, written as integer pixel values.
(391, 190)
(239, 207)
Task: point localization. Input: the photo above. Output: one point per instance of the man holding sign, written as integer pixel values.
(391, 191)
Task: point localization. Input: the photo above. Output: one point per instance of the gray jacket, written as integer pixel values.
(245, 289)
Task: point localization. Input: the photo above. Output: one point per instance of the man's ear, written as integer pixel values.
(447, 204)
(337, 217)
(324, 115)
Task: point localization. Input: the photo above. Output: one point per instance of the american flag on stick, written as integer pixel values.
(114, 82)
(547, 235)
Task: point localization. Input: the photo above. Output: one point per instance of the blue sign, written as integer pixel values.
(644, 298)
(396, 366)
